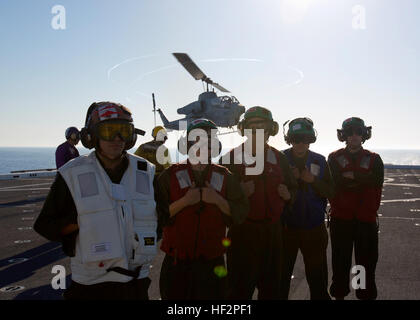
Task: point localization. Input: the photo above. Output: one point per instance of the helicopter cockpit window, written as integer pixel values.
(225, 100)
(233, 99)
(216, 101)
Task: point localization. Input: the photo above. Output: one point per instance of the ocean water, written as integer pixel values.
(12, 159)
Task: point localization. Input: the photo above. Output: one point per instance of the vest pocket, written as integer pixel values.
(145, 247)
(144, 209)
(99, 236)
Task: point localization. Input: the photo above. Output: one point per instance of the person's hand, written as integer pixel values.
(307, 176)
(296, 172)
(209, 195)
(283, 192)
(248, 187)
(69, 229)
(348, 175)
(192, 196)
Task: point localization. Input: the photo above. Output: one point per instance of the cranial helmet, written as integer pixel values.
(303, 127)
(72, 133)
(99, 112)
(259, 112)
(354, 123)
(202, 123)
(157, 129)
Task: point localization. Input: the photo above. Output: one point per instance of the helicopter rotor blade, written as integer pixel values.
(190, 66)
(219, 87)
(195, 71)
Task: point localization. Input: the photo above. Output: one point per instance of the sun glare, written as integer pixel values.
(293, 11)
(303, 4)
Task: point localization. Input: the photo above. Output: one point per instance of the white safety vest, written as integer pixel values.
(117, 222)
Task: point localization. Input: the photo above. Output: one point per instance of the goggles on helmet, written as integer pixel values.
(108, 130)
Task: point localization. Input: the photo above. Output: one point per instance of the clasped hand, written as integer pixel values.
(305, 175)
(208, 195)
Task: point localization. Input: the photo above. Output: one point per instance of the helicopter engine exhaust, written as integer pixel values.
(193, 107)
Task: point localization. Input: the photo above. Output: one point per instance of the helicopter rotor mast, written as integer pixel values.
(195, 71)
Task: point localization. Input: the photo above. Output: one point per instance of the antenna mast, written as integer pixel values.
(154, 107)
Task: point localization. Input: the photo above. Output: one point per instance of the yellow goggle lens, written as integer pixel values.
(108, 131)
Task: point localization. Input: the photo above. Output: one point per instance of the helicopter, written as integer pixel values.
(224, 111)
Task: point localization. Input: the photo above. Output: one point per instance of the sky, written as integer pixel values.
(323, 59)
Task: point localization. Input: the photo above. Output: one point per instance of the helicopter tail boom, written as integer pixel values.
(164, 119)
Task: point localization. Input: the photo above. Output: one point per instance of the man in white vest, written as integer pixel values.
(101, 207)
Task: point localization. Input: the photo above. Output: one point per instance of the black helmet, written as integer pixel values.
(351, 124)
(72, 133)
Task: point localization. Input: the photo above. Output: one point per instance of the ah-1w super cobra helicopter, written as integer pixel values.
(224, 111)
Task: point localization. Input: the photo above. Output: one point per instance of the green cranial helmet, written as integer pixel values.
(184, 144)
(353, 122)
(300, 127)
(201, 123)
(258, 112)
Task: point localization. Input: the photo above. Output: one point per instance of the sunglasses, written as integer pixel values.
(109, 130)
(257, 125)
(357, 131)
(301, 139)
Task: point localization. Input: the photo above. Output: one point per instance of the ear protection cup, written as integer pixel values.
(241, 127)
(274, 129)
(132, 143)
(314, 139)
(286, 138)
(88, 141)
(86, 137)
(368, 133)
(340, 135)
(182, 145)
